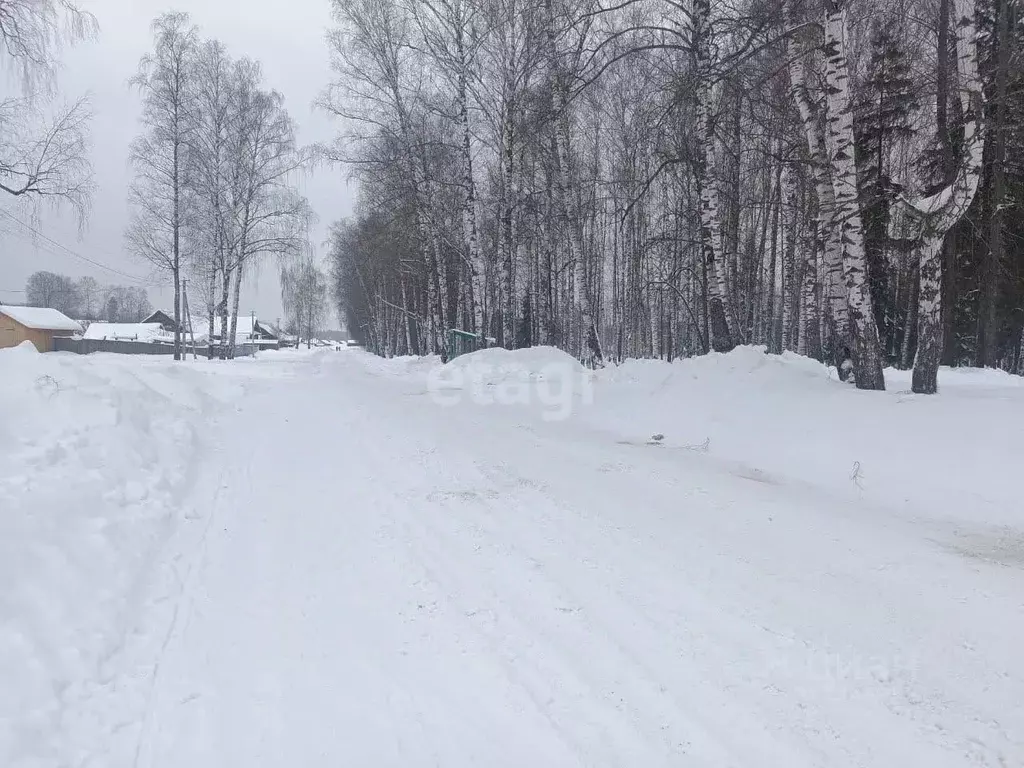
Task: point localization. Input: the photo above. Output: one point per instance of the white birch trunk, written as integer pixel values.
(808, 322)
(211, 311)
(867, 354)
(410, 347)
(790, 211)
(827, 231)
(577, 256)
(176, 238)
(940, 212)
(477, 270)
(234, 311)
(225, 299)
(594, 353)
(508, 314)
(723, 324)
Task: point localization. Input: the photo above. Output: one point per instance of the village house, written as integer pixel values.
(40, 325)
(163, 319)
(249, 330)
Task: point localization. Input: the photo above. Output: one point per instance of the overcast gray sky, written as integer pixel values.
(287, 38)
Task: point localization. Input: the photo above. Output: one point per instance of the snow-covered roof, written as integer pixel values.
(127, 332)
(246, 324)
(41, 318)
(244, 329)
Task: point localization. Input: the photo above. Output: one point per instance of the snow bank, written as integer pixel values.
(533, 358)
(96, 453)
(497, 365)
(950, 456)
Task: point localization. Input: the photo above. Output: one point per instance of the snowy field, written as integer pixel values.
(324, 559)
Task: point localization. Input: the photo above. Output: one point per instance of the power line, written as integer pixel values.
(37, 244)
(64, 248)
(49, 250)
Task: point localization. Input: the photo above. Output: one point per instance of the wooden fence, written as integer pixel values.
(117, 347)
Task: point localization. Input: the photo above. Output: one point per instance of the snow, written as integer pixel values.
(96, 455)
(941, 457)
(323, 558)
(143, 332)
(41, 318)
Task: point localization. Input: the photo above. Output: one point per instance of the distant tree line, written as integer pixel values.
(655, 178)
(86, 298)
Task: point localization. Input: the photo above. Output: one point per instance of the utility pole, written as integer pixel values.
(188, 319)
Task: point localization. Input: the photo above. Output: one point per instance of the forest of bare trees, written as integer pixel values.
(663, 178)
(215, 171)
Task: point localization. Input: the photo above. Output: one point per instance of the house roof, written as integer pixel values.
(266, 329)
(127, 331)
(159, 317)
(41, 318)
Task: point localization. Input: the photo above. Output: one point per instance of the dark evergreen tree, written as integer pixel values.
(886, 106)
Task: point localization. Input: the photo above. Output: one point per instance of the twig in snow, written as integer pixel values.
(857, 475)
(47, 385)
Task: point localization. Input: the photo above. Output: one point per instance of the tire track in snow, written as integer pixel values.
(192, 552)
(530, 601)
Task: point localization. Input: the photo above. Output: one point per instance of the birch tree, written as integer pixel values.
(722, 323)
(210, 178)
(867, 356)
(33, 31)
(826, 223)
(447, 31)
(569, 197)
(936, 214)
(511, 63)
(159, 157)
(267, 215)
(43, 142)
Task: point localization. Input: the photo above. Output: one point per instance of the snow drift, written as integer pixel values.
(948, 456)
(96, 453)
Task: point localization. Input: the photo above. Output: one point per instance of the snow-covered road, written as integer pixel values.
(326, 559)
(375, 579)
